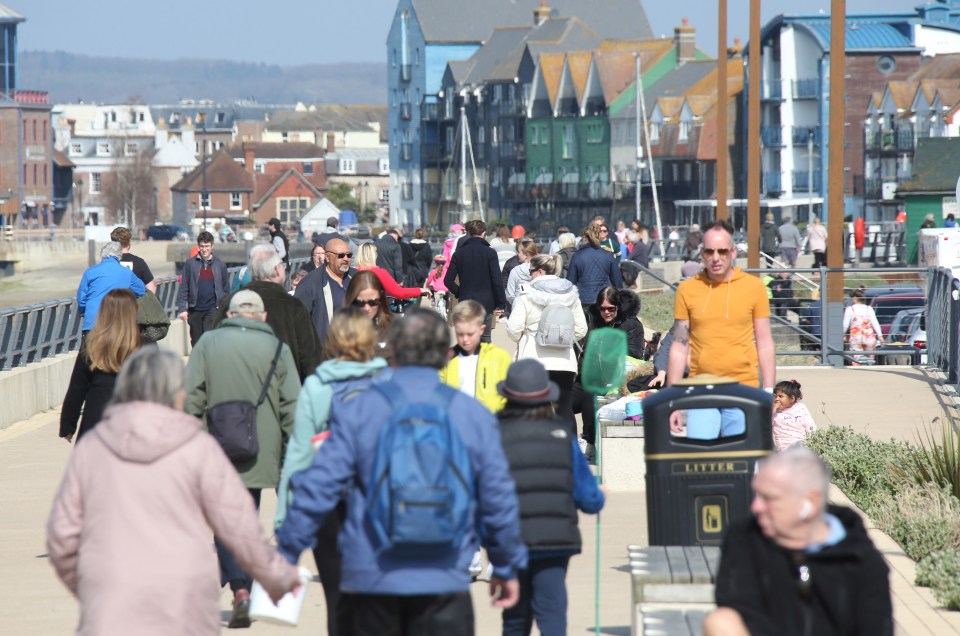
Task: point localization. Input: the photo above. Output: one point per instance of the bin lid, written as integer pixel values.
(704, 379)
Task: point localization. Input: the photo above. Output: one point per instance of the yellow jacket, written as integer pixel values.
(491, 369)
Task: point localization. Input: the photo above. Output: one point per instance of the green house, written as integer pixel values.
(932, 188)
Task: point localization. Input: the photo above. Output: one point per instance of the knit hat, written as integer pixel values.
(246, 302)
(528, 383)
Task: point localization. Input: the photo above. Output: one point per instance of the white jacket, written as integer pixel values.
(525, 319)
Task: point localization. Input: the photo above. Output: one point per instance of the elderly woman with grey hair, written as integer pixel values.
(130, 530)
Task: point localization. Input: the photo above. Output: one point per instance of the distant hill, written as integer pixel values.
(69, 78)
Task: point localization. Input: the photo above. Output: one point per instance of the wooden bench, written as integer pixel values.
(672, 587)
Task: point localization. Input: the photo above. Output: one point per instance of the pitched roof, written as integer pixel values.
(936, 165)
(551, 67)
(472, 21)
(902, 93)
(293, 150)
(290, 173)
(61, 160)
(9, 15)
(320, 117)
(223, 175)
(579, 63)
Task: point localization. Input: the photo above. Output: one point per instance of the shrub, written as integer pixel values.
(922, 519)
(930, 462)
(941, 572)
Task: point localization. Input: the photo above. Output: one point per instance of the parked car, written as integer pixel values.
(169, 232)
(904, 324)
(887, 306)
(918, 337)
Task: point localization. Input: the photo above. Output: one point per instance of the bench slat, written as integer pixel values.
(699, 570)
(712, 555)
(679, 569)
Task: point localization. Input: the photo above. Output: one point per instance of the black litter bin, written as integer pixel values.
(696, 487)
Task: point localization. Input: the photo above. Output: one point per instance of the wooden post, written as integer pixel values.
(838, 20)
(753, 139)
(722, 145)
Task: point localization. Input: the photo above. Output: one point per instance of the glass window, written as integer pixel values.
(96, 183)
(235, 200)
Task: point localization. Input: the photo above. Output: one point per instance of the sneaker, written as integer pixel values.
(583, 445)
(240, 618)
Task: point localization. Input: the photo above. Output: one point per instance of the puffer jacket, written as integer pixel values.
(525, 319)
(592, 269)
(626, 321)
(491, 368)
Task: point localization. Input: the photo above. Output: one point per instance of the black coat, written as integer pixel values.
(423, 260)
(626, 321)
(409, 260)
(478, 269)
(312, 294)
(389, 256)
(849, 583)
(769, 238)
(639, 254)
(290, 321)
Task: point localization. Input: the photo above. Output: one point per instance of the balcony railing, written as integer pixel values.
(429, 111)
(888, 140)
(771, 136)
(905, 140)
(509, 108)
(871, 188)
(450, 193)
(405, 110)
(871, 141)
(771, 183)
(772, 90)
(431, 191)
(802, 181)
(430, 153)
(806, 88)
(801, 135)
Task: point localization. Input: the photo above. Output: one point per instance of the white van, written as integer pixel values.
(940, 247)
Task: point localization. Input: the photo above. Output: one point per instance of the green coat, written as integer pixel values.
(231, 363)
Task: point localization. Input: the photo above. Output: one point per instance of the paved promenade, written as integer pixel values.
(885, 402)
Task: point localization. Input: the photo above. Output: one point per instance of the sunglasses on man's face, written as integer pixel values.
(368, 303)
(722, 251)
(341, 254)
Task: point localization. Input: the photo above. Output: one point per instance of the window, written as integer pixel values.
(497, 92)
(289, 210)
(568, 141)
(44, 129)
(416, 56)
(221, 117)
(494, 137)
(284, 137)
(684, 131)
(45, 166)
(348, 166)
(130, 149)
(385, 195)
(76, 149)
(96, 183)
(113, 116)
(235, 200)
(103, 149)
(654, 133)
(307, 167)
(383, 166)
(34, 131)
(196, 147)
(258, 166)
(886, 64)
(204, 200)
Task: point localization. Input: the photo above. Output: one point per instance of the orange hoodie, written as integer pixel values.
(721, 319)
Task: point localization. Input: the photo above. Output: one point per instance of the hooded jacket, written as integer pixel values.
(422, 257)
(627, 321)
(231, 363)
(313, 417)
(525, 320)
(129, 533)
(721, 315)
(592, 269)
(849, 583)
(769, 238)
(492, 365)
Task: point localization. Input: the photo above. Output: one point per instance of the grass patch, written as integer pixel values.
(656, 311)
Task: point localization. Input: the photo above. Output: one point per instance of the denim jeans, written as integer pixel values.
(715, 423)
(543, 597)
(230, 570)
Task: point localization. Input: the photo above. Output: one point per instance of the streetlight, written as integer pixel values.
(204, 195)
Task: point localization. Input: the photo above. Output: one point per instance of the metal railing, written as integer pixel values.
(943, 324)
(31, 333)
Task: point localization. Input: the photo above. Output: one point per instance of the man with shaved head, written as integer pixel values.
(797, 565)
(324, 289)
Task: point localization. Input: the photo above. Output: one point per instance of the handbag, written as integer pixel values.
(234, 423)
(152, 318)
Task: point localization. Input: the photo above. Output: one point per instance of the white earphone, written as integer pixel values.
(805, 509)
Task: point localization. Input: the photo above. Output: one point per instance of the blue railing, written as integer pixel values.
(771, 136)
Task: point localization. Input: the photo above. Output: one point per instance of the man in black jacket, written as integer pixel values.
(324, 290)
(798, 566)
(389, 254)
(474, 274)
(769, 239)
(286, 315)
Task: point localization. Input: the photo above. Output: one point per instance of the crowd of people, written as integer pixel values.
(401, 441)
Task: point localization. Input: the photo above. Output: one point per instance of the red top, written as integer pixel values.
(391, 286)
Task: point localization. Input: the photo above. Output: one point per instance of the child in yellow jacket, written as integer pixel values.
(476, 367)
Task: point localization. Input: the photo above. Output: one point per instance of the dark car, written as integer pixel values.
(168, 232)
(887, 306)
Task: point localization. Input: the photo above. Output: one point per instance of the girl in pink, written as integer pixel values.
(792, 421)
(434, 280)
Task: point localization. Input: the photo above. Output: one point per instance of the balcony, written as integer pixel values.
(406, 151)
(430, 153)
(405, 72)
(431, 192)
(872, 188)
(888, 141)
(772, 90)
(510, 108)
(520, 151)
(405, 111)
(806, 88)
(449, 192)
(771, 183)
(801, 135)
(871, 141)
(430, 111)
(449, 112)
(905, 140)
(802, 181)
(771, 136)
(406, 191)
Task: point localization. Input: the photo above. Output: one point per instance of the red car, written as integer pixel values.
(887, 306)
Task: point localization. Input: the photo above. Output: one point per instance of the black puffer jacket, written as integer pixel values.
(423, 259)
(626, 320)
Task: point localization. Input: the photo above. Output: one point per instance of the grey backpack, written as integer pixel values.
(555, 330)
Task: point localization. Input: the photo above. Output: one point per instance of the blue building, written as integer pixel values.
(9, 19)
(795, 97)
(425, 36)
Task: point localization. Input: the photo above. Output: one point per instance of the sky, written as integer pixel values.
(290, 32)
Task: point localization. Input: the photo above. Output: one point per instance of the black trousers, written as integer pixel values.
(200, 322)
(427, 615)
(583, 404)
(327, 557)
(564, 380)
(488, 328)
(820, 259)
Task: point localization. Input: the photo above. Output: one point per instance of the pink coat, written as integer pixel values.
(130, 530)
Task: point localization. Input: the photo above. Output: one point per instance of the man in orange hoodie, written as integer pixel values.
(722, 322)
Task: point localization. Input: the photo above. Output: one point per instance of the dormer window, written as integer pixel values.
(348, 166)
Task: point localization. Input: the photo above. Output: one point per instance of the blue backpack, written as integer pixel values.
(421, 486)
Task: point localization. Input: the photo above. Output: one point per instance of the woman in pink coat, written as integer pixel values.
(131, 530)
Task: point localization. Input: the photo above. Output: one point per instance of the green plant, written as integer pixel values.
(921, 518)
(941, 572)
(931, 463)
(656, 311)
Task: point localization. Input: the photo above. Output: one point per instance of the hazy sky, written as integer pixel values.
(309, 31)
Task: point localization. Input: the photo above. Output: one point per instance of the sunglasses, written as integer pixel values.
(368, 303)
(607, 310)
(722, 251)
(341, 254)
(603, 229)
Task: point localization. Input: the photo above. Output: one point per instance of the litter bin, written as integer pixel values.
(695, 487)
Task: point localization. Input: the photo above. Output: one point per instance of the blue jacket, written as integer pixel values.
(190, 282)
(100, 279)
(592, 269)
(345, 461)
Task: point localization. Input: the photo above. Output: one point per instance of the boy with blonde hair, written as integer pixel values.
(476, 367)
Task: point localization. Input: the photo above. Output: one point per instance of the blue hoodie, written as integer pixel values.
(345, 461)
(97, 281)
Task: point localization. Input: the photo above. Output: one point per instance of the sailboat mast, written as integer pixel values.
(463, 164)
(642, 121)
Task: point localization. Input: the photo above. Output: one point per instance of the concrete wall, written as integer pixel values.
(39, 387)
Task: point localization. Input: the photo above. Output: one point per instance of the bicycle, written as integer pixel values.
(440, 303)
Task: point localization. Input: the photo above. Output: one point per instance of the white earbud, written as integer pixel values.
(805, 509)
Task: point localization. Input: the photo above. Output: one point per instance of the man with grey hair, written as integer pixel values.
(101, 278)
(426, 593)
(286, 315)
(324, 290)
(234, 362)
(790, 241)
(798, 565)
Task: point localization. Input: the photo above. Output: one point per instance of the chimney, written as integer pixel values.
(249, 152)
(541, 13)
(331, 145)
(189, 139)
(160, 137)
(735, 51)
(686, 42)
